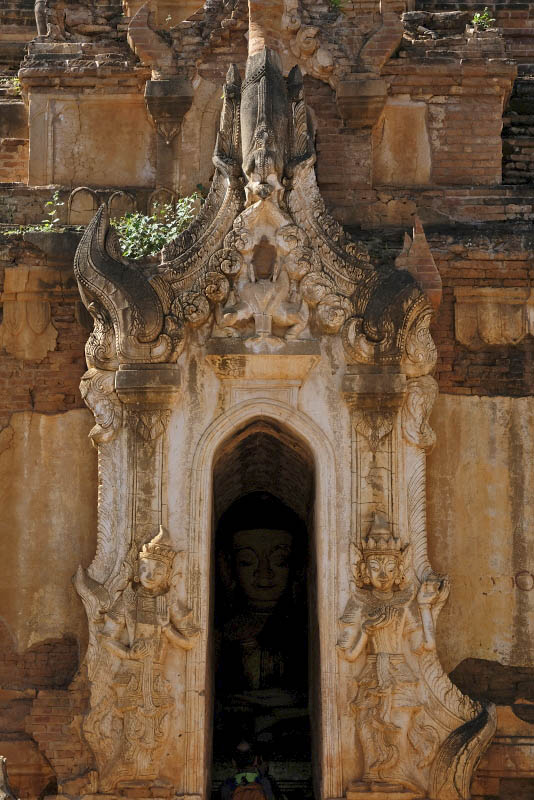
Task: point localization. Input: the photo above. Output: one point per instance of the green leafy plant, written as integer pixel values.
(11, 83)
(139, 234)
(337, 5)
(482, 20)
(145, 234)
(52, 220)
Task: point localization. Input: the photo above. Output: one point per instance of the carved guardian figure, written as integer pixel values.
(129, 638)
(404, 708)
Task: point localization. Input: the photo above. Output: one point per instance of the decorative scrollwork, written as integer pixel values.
(216, 287)
(332, 312)
(299, 262)
(315, 287)
(97, 388)
(238, 238)
(227, 260)
(100, 350)
(420, 349)
(293, 236)
(196, 308)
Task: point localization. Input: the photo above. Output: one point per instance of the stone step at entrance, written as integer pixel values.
(293, 778)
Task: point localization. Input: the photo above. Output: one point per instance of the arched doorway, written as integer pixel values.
(299, 430)
(265, 611)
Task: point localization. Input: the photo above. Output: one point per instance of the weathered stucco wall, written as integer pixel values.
(47, 525)
(102, 131)
(479, 513)
(401, 145)
(480, 521)
(480, 480)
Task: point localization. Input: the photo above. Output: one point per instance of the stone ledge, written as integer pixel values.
(493, 316)
(148, 384)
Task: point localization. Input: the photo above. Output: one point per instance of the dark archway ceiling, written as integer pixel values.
(264, 457)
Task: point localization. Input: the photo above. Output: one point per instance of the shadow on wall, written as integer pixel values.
(48, 665)
(497, 683)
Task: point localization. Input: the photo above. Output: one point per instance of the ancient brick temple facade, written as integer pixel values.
(335, 361)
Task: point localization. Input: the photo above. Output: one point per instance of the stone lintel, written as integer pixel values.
(148, 384)
(231, 359)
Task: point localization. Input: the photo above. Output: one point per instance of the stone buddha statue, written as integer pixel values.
(261, 673)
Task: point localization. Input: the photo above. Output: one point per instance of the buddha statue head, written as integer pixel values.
(259, 552)
(262, 564)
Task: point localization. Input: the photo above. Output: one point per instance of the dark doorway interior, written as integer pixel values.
(261, 621)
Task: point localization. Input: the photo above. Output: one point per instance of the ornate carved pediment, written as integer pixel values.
(263, 261)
